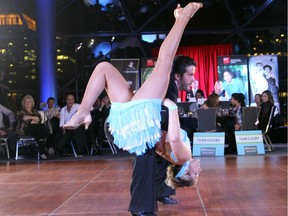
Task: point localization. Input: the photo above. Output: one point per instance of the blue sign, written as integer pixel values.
(208, 144)
(249, 142)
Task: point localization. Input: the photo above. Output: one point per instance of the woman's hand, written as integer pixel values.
(26, 118)
(194, 167)
(237, 127)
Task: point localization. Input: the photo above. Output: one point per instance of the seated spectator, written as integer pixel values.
(266, 107)
(53, 116)
(257, 99)
(6, 131)
(29, 124)
(218, 89)
(104, 110)
(194, 90)
(196, 105)
(92, 133)
(99, 114)
(77, 136)
(212, 101)
(238, 101)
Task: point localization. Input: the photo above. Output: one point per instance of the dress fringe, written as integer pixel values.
(135, 125)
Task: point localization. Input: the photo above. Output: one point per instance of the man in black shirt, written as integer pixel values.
(182, 75)
(149, 170)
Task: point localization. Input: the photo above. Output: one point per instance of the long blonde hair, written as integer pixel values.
(184, 181)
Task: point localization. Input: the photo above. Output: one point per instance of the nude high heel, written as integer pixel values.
(188, 11)
(77, 120)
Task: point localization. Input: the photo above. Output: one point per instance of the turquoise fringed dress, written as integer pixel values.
(135, 125)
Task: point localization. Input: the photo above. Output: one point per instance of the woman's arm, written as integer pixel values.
(178, 147)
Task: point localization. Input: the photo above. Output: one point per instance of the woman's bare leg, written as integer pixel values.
(157, 83)
(104, 76)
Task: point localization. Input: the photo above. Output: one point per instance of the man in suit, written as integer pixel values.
(149, 170)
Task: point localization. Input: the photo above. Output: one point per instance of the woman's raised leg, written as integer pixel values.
(157, 83)
(104, 76)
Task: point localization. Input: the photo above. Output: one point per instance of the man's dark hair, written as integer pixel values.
(240, 98)
(180, 64)
(69, 94)
(51, 98)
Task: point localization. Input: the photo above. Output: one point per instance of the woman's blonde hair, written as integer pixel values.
(28, 97)
(183, 181)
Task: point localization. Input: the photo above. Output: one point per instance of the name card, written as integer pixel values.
(208, 144)
(249, 142)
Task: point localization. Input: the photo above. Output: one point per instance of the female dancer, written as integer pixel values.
(134, 120)
(174, 146)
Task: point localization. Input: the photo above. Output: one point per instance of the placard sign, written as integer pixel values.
(208, 144)
(249, 142)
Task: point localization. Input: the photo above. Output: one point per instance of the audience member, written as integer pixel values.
(238, 101)
(93, 130)
(77, 136)
(53, 117)
(99, 114)
(212, 101)
(104, 110)
(6, 131)
(257, 99)
(266, 107)
(29, 124)
(196, 105)
(194, 89)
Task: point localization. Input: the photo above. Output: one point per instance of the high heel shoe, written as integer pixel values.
(188, 11)
(77, 120)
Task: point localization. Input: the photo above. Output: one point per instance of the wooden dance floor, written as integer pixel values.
(99, 185)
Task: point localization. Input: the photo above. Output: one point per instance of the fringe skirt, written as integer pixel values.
(135, 125)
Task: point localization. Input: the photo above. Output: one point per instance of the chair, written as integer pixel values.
(24, 141)
(249, 117)
(74, 151)
(4, 143)
(266, 137)
(207, 119)
(108, 139)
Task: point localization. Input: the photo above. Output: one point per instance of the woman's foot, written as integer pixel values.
(77, 120)
(187, 11)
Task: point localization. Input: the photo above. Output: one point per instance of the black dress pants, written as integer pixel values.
(143, 185)
(78, 136)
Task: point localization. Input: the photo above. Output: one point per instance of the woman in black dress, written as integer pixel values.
(266, 107)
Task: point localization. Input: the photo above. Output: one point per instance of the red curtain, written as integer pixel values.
(206, 58)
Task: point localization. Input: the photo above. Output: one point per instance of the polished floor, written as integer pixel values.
(99, 186)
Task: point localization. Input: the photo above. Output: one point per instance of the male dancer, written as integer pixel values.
(182, 75)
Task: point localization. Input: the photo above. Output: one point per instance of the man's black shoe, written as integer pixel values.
(168, 200)
(143, 213)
